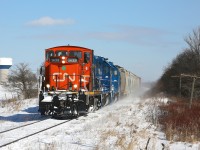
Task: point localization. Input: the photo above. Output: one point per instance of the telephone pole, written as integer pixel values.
(194, 77)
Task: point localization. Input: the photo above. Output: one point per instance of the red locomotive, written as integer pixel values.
(66, 80)
(68, 68)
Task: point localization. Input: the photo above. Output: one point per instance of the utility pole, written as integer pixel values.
(180, 86)
(193, 84)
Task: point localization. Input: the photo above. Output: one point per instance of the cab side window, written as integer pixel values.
(98, 69)
(86, 57)
(49, 54)
(75, 54)
(106, 69)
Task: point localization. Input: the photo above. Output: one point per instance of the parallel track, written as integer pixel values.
(21, 126)
(31, 134)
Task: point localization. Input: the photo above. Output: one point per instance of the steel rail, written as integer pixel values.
(32, 134)
(22, 126)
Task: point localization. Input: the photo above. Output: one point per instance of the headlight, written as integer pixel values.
(112, 88)
(48, 86)
(75, 86)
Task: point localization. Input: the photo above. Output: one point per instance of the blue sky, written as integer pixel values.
(142, 36)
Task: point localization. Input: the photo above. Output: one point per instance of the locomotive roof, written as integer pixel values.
(69, 47)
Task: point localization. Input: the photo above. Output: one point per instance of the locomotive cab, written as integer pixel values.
(67, 70)
(64, 79)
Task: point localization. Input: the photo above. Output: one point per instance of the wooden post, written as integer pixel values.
(180, 86)
(191, 97)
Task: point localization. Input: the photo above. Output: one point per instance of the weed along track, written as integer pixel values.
(9, 136)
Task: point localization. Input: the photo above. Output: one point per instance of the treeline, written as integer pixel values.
(22, 81)
(178, 77)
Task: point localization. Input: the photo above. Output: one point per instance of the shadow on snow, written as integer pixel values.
(30, 115)
(32, 109)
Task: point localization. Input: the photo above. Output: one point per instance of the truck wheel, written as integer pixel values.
(99, 104)
(75, 111)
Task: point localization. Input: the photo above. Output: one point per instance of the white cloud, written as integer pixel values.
(143, 36)
(48, 21)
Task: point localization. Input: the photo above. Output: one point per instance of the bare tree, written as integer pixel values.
(193, 41)
(187, 62)
(22, 80)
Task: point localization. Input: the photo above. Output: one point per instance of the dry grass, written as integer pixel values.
(4, 103)
(153, 110)
(47, 146)
(179, 122)
(16, 104)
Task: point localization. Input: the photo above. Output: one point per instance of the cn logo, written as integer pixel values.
(62, 77)
(59, 77)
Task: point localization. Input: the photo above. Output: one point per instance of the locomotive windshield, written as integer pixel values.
(61, 53)
(49, 54)
(75, 54)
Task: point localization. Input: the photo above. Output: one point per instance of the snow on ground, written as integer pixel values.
(18, 113)
(5, 94)
(121, 126)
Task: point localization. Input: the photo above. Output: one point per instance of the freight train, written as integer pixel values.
(74, 80)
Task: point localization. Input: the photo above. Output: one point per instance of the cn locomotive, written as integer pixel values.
(74, 80)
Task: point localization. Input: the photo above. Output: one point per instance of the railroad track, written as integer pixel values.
(22, 126)
(12, 135)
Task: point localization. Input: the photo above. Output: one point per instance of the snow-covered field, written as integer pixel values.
(4, 94)
(123, 125)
